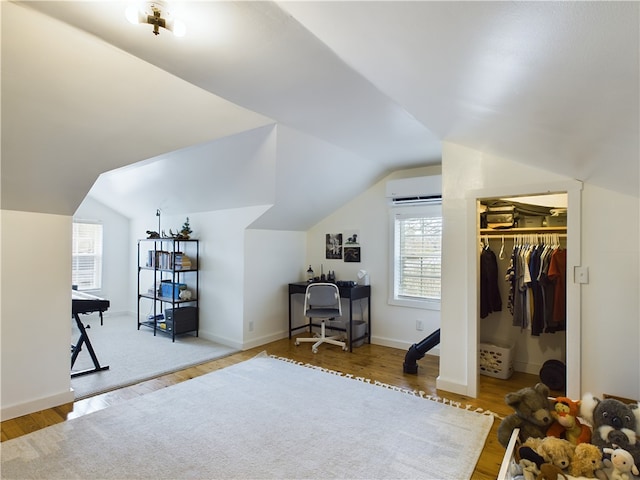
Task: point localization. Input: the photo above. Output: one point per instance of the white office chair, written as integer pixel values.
(322, 300)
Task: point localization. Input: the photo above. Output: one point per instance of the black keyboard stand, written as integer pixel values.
(77, 348)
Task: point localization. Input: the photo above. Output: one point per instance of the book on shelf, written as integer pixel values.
(168, 260)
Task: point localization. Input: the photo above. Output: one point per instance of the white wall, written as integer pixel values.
(36, 312)
(368, 214)
(273, 259)
(466, 170)
(610, 301)
(116, 285)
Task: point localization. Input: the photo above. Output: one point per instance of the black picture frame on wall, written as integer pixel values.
(333, 246)
(352, 254)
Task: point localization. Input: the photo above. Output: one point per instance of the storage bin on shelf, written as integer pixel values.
(496, 360)
(169, 289)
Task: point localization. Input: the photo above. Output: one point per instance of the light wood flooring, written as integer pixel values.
(371, 361)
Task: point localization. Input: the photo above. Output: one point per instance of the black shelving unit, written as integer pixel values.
(161, 258)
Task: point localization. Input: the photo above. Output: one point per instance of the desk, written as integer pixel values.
(83, 303)
(357, 292)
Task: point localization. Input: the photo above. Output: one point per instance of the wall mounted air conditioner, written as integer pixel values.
(415, 190)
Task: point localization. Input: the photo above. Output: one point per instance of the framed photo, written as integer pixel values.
(352, 238)
(333, 246)
(352, 254)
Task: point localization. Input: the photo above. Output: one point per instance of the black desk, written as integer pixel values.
(81, 304)
(357, 292)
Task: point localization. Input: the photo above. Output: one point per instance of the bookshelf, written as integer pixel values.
(168, 285)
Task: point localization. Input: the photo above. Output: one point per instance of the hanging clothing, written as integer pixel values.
(490, 300)
(510, 278)
(537, 317)
(557, 274)
(536, 277)
(547, 290)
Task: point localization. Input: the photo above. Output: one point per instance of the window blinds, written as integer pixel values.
(86, 271)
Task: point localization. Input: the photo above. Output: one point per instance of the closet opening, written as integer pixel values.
(522, 255)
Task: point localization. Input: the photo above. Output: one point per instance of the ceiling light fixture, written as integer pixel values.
(152, 14)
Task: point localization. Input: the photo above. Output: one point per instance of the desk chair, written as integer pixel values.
(322, 300)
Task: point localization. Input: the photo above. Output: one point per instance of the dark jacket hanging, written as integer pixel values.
(490, 300)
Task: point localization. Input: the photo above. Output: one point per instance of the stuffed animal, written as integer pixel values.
(548, 471)
(528, 468)
(566, 423)
(622, 463)
(556, 451)
(531, 415)
(614, 423)
(587, 458)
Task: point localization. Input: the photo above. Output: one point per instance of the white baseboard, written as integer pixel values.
(257, 342)
(449, 386)
(388, 342)
(533, 369)
(32, 406)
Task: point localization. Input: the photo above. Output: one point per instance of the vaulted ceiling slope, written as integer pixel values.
(377, 85)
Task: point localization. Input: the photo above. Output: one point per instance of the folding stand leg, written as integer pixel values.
(77, 348)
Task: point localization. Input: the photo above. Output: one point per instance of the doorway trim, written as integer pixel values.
(573, 189)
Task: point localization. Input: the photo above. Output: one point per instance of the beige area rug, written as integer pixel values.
(264, 418)
(134, 355)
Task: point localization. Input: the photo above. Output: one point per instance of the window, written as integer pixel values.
(416, 256)
(86, 271)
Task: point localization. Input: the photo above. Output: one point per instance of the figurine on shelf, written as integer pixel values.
(152, 234)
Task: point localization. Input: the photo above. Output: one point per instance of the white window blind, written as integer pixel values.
(417, 249)
(87, 256)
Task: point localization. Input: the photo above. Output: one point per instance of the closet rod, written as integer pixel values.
(499, 236)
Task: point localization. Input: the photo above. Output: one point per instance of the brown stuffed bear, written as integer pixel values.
(587, 458)
(556, 451)
(531, 415)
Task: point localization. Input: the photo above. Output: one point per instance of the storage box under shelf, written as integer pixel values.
(496, 360)
(182, 319)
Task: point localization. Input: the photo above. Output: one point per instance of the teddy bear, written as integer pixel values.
(556, 451)
(587, 458)
(566, 423)
(614, 423)
(531, 416)
(622, 463)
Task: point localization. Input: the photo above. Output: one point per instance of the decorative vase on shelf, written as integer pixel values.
(310, 274)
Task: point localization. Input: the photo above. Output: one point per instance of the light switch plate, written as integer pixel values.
(581, 274)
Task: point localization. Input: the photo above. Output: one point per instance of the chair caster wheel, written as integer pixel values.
(345, 348)
(297, 344)
(315, 350)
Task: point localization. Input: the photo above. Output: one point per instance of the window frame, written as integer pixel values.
(413, 211)
(97, 255)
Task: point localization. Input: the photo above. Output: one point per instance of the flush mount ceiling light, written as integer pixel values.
(156, 14)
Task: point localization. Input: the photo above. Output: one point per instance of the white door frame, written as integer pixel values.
(573, 189)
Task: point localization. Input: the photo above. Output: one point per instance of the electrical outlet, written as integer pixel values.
(251, 325)
(419, 325)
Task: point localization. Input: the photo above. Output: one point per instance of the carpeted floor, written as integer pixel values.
(264, 418)
(134, 355)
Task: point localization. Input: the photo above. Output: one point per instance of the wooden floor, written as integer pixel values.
(371, 361)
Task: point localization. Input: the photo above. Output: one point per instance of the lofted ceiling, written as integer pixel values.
(307, 97)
